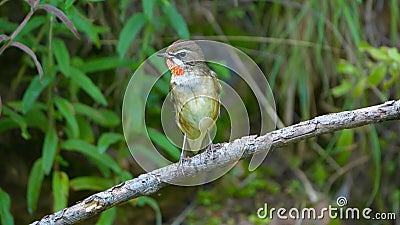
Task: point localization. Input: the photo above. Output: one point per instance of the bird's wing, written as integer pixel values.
(171, 93)
(217, 83)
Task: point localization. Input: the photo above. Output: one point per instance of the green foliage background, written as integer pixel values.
(61, 139)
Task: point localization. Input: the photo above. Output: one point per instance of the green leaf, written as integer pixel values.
(161, 140)
(108, 118)
(90, 183)
(84, 82)
(108, 139)
(17, 105)
(129, 32)
(61, 16)
(360, 87)
(91, 152)
(61, 161)
(34, 185)
(221, 69)
(381, 54)
(68, 3)
(376, 156)
(176, 20)
(319, 173)
(107, 217)
(18, 120)
(103, 117)
(60, 190)
(85, 25)
(394, 54)
(345, 140)
(103, 63)
(148, 6)
(62, 56)
(143, 200)
(377, 74)
(68, 112)
(34, 90)
(7, 26)
(378, 54)
(7, 124)
(364, 46)
(6, 217)
(347, 68)
(37, 118)
(49, 149)
(351, 23)
(342, 89)
(34, 23)
(85, 129)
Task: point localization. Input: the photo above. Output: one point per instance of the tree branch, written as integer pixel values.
(224, 154)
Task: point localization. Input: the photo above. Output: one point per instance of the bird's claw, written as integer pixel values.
(210, 151)
(180, 165)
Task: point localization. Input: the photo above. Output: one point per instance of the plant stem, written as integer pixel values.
(16, 32)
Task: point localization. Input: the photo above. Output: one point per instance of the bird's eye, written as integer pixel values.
(182, 54)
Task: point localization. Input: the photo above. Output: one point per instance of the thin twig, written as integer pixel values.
(224, 154)
(16, 32)
(343, 170)
(184, 213)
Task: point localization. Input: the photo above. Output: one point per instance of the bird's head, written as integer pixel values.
(181, 55)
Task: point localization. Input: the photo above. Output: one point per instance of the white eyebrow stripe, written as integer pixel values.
(183, 50)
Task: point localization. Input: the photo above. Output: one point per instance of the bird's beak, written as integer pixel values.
(164, 55)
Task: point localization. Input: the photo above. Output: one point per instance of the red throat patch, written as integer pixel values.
(175, 70)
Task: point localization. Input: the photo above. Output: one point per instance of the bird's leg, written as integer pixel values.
(210, 147)
(182, 153)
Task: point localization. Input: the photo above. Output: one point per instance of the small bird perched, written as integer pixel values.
(195, 92)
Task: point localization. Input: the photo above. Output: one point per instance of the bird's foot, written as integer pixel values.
(210, 151)
(181, 164)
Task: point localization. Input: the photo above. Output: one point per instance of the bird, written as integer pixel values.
(195, 92)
